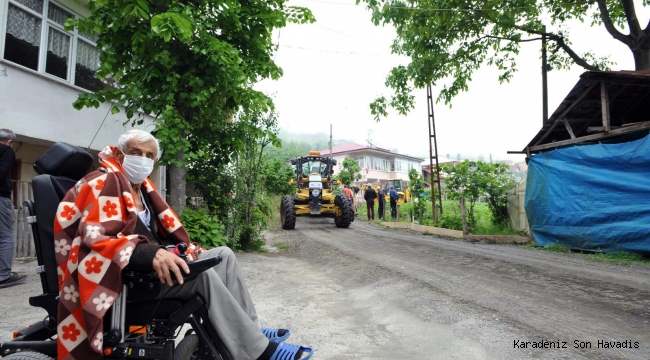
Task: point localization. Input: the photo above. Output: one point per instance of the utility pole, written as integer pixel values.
(433, 155)
(544, 79)
(330, 139)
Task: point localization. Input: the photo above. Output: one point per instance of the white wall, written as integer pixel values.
(36, 106)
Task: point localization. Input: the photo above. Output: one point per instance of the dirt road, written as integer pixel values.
(392, 294)
(373, 293)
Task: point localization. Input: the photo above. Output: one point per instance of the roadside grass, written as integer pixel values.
(283, 246)
(274, 219)
(451, 213)
(621, 257)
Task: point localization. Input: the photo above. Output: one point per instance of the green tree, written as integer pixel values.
(189, 63)
(416, 186)
(451, 39)
(462, 182)
(350, 171)
(277, 174)
(494, 183)
(469, 180)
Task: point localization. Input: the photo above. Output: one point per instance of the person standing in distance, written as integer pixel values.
(370, 195)
(393, 201)
(7, 158)
(382, 203)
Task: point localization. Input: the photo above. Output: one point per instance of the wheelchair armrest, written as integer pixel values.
(143, 276)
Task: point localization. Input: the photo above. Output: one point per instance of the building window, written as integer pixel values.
(68, 55)
(362, 161)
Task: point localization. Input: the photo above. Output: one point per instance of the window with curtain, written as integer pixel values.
(67, 55)
(23, 37)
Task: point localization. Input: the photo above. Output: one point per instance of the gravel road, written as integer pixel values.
(372, 293)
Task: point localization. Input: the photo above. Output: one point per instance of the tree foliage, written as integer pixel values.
(350, 171)
(470, 180)
(452, 39)
(416, 186)
(191, 64)
(276, 176)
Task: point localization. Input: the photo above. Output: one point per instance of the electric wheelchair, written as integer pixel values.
(138, 326)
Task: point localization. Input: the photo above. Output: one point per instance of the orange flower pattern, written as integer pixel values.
(93, 265)
(74, 254)
(100, 184)
(168, 221)
(71, 332)
(129, 203)
(68, 212)
(110, 209)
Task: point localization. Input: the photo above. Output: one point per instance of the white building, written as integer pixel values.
(377, 164)
(43, 69)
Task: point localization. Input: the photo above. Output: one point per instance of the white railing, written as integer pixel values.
(24, 240)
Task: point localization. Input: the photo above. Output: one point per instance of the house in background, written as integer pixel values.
(43, 69)
(377, 164)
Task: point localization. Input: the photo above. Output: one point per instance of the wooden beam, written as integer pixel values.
(568, 128)
(621, 131)
(600, 128)
(604, 102)
(582, 96)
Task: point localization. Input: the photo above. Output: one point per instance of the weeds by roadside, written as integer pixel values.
(283, 246)
(613, 258)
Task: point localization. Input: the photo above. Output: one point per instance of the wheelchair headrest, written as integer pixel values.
(66, 160)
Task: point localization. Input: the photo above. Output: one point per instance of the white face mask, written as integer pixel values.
(137, 168)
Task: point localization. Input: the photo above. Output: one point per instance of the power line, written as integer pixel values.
(445, 9)
(330, 51)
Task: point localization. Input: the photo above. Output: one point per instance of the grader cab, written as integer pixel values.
(314, 196)
(402, 191)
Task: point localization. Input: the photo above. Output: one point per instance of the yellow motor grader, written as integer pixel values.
(402, 191)
(314, 196)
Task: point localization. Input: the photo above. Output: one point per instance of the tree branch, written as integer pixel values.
(559, 40)
(509, 39)
(609, 25)
(632, 19)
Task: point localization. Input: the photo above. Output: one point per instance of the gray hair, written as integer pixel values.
(139, 136)
(6, 134)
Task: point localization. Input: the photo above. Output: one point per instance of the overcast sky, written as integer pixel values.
(335, 68)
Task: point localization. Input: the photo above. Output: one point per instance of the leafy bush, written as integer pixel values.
(451, 221)
(204, 228)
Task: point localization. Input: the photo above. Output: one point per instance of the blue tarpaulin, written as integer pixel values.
(591, 197)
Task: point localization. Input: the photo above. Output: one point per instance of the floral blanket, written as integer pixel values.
(94, 240)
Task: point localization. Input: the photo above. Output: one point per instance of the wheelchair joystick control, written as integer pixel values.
(182, 248)
(112, 338)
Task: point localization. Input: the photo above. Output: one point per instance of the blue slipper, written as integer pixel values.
(272, 334)
(288, 352)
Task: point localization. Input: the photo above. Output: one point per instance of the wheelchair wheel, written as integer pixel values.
(188, 348)
(27, 355)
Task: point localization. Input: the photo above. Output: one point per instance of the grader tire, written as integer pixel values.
(347, 213)
(288, 213)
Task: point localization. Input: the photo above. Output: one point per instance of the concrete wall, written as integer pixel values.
(37, 106)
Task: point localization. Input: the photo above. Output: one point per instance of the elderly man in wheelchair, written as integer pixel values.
(120, 276)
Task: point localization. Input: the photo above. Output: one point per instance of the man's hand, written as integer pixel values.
(165, 263)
